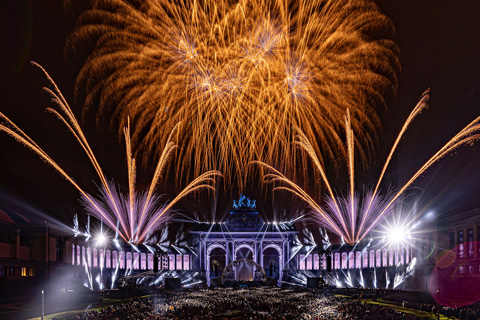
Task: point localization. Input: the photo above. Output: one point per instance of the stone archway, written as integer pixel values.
(208, 260)
(279, 250)
(230, 271)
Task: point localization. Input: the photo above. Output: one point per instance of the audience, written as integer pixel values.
(258, 303)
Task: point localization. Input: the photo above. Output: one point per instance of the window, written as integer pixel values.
(101, 255)
(31, 272)
(302, 262)
(95, 256)
(186, 262)
(451, 240)
(164, 262)
(24, 271)
(344, 260)
(89, 257)
(179, 261)
(11, 271)
(372, 259)
(136, 262)
(114, 259)
(478, 238)
(150, 261)
(143, 261)
(121, 258)
(309, 262)
(358, 259)
(471, 251)
(60, 248)
(351, 260)
(461, 248)
(129, 260)
(3, 271)
(108, 259)
(316, 262)
(337, 260)
(365, 258)
(83, 256)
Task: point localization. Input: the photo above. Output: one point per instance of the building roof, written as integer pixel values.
(12, 217)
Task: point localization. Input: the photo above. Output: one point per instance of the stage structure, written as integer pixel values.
(243, 248)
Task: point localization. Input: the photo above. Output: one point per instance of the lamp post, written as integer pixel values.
(43, 304)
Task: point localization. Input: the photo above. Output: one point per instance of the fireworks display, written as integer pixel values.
(135, 216)
(353, 217)
(239, 74)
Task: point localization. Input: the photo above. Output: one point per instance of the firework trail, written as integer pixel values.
(241, 74)
(355, 216)
(139, 214)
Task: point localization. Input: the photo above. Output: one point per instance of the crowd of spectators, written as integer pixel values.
(228, 303)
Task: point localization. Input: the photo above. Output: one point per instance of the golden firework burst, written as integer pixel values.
(240, 74)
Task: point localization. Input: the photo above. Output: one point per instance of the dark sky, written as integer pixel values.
(440, 49)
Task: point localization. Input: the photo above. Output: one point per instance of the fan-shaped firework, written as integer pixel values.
(135, 216)
(241, 74)
(354, 217)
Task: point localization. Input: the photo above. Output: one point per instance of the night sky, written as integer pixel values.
(440, 48)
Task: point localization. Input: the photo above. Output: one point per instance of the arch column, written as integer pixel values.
(261, 254)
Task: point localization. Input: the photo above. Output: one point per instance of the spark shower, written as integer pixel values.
(354, 216)
(134, 217)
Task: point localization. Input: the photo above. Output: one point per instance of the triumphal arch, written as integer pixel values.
(244, 247)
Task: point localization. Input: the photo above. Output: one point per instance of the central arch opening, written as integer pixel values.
(217, 262)
(244, 270)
